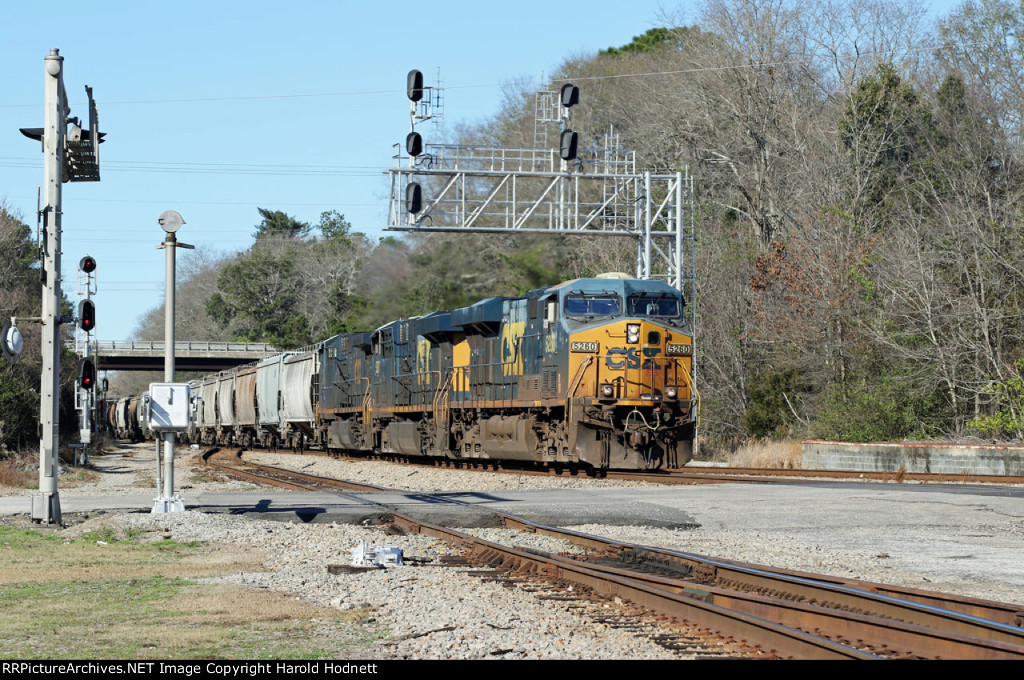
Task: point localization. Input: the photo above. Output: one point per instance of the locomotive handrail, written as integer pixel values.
(693, 391)
(474, 386)
(440, 402)
(367, 420)
(344, 383)
(575, 385)
(656, 363)
(412, 389)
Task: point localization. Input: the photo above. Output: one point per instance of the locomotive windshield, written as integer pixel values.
(593, 305)
(653, 306)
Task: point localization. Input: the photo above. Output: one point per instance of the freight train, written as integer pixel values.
(594, 373)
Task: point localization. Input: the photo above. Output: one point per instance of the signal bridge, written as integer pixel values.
(572, 191)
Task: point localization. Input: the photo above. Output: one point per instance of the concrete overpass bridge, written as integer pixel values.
(189, 355)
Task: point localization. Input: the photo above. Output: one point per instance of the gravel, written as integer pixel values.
(424, 612)
(441, 612)
(428, 611)
(428, 479)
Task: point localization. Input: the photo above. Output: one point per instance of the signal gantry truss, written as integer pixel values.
(481, 189)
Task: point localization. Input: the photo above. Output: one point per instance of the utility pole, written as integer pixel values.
(65, 159)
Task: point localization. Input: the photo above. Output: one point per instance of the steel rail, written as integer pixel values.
(974, 616)
(968, 616)
(880, 622)
(977, 615)
(782, 640)
(727, 611)
(724, 475)
(939, 636)
(778, 638)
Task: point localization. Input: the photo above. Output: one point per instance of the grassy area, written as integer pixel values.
(14, 472)
(119, 596)
(20, 471)
(76, 476)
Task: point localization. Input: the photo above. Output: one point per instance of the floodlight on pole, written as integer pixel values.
(170, 222)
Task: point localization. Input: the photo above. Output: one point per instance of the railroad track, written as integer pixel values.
(705, 475)
(775, 613)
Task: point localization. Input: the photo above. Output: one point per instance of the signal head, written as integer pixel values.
(570, 95)
(87, 374)
(87, 315)
(414, 144)
(413, 198)
(414, 86)
(568, 143)
(87, 264)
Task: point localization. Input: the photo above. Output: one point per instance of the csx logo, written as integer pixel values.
(630, 357)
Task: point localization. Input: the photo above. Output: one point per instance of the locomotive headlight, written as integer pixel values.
(607, 390)
(671, 391)
(632, 333)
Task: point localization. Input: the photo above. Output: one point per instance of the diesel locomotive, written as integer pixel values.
(593, 372)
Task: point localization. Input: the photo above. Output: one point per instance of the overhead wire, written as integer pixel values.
(354, 93)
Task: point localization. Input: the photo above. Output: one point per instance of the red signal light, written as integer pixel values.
(87, 374)
(87, 315)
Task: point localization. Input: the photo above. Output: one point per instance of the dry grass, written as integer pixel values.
(99, 593)
(77, 476)
(235, 605)
(160, 618)
(784, 454)
(14, 474)
(21, 470)
(102, 555)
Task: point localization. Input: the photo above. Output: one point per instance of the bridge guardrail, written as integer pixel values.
(184, 346)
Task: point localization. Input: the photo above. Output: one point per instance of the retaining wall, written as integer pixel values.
(937, 458)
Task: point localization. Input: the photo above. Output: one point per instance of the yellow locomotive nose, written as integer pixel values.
(631, 361)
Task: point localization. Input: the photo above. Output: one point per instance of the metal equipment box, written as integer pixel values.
(169, 407)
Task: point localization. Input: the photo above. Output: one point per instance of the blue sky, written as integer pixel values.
(216, 108)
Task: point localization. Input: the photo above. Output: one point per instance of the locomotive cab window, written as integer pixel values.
(643, 305)
(593, 305)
